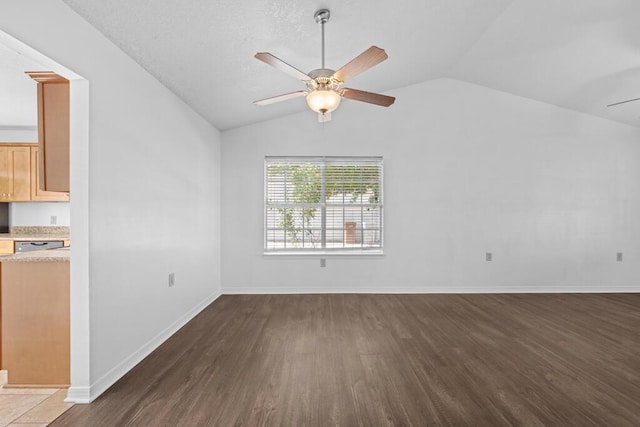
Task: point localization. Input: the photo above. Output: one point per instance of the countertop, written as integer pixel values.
(35, 233)
(47, 255)
(31, 233)
(31, 237)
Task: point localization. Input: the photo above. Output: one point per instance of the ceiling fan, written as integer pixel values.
(324, 86)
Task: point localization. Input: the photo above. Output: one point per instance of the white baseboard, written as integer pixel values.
(78, 395)
(89, 394)
(422, 289)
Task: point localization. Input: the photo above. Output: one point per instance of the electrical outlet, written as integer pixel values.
(619, 256)
(323, 262)
(488, 257)
(54, 219)
(172, 279)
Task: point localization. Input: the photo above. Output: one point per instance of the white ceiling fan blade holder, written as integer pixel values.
(278, 63)
(279, 98)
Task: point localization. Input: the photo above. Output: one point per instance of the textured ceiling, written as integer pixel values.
(578, 54)
(203, 49)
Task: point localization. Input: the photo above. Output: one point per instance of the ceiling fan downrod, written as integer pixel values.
(322, 17)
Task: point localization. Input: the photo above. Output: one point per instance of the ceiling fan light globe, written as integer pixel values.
(323, 100)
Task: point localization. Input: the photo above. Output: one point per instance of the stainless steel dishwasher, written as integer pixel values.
(38, 245)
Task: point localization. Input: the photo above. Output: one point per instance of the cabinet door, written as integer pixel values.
(53, 130)
(38, 194)
(35, 323)
(15, 174)
(5, 176)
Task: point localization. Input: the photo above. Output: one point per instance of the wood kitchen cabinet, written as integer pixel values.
(35, 323)
(15, 173)
(19, 175)
(53, 130)
(7, 247)
(38, 194)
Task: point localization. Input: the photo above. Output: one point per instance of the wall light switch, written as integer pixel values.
(323, 262)
(488, 256)
(172, 279)
(54, 219)
(619, 256)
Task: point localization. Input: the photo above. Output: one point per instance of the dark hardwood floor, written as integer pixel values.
(369, 360)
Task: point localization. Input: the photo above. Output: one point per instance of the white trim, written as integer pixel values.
(280, 201)
(88, 395)
(324, 254)
(78, 395)
(80, 284)
(79, 213)
(424, 289)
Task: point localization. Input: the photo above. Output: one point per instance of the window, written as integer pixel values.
(323, 204)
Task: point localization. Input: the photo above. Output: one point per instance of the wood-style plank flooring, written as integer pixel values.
(370, 360)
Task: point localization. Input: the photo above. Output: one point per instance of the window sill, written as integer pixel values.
(323, 254)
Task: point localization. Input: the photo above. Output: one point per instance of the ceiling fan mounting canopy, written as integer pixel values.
(324, 84)
(322, 16)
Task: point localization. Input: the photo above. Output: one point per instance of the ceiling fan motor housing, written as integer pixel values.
(322, 78)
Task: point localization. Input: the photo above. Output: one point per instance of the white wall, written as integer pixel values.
(11, 134)
(39, 214)
(552, 193)
(147, 202)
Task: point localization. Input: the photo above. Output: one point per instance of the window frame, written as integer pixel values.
(378, 161)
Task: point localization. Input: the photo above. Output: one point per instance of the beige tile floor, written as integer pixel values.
(30, 407)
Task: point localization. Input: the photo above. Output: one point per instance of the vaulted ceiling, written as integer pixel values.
(18, 100)
(578, 54)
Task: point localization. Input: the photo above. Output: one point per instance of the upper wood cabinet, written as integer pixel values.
(38, 194)
(15, 173)
(53, 130)
(19, 175)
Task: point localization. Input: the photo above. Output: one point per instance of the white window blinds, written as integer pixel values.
(323, 204)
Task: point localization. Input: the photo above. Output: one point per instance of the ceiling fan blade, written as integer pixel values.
(278, 63)
(367, 59)
(286, 96)
(370, 97)
(623, 102)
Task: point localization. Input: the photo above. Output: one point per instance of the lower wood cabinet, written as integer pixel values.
(7, 247)
(35, 332)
